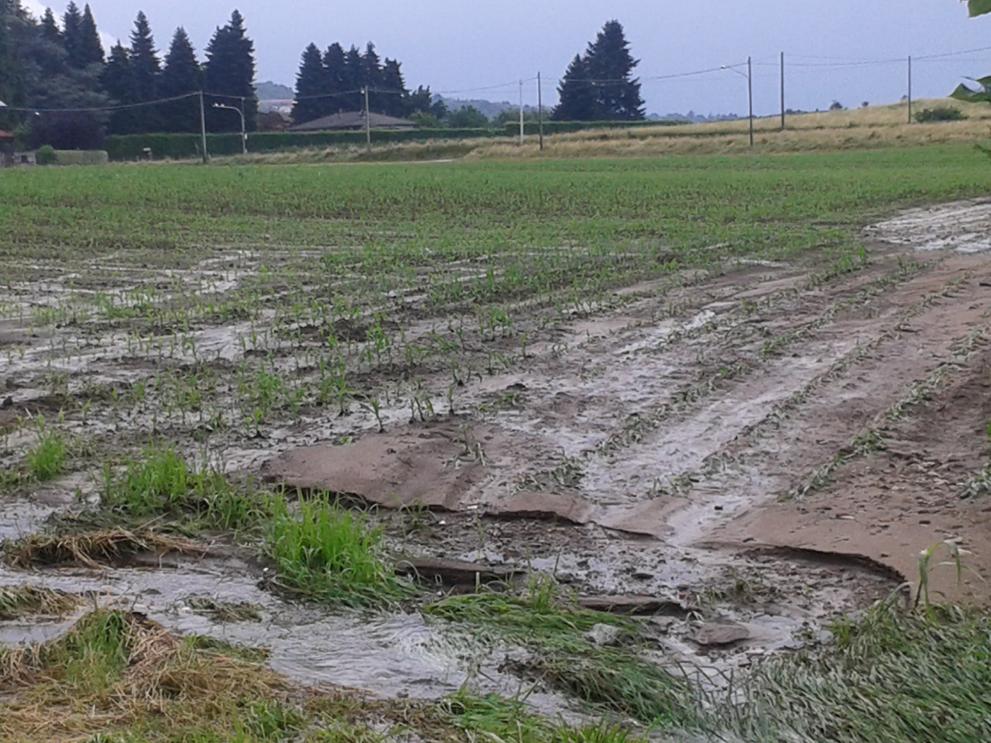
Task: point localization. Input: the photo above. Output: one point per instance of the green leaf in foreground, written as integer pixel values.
(979, 7)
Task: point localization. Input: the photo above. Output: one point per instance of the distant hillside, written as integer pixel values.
(269, 91)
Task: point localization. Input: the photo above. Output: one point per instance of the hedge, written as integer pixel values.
(175, 146)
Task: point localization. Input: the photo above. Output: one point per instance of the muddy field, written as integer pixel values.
(739, 455)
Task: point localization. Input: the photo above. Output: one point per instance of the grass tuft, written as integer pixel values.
(46, 460)
(326, 552)
(161, 482)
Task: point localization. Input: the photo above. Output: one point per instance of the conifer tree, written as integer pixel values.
(90, 49)
(118, 82)
(145, 69)
(180, 75)
(354, 75)
(575, 94)
(335, 79)
(230, 71)
(600, 85)
(310, 81)
(72, 22)
(371, 76)
(610, 65)
(49, 28)
(396, 100)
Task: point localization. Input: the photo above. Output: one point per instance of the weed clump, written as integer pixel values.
(161, 482)
(46, 460)
(326, 552)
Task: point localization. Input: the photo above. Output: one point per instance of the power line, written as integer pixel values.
(828, 63)
(99, 109)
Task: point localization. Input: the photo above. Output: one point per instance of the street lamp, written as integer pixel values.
(750, 91)
(244, 131)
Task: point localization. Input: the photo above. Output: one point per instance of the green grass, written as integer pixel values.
(94, 655)
(46, 460)
(160, 482)
(892, 677)
(116, 677)
(326, 552)
(501, 720)
(612, 677)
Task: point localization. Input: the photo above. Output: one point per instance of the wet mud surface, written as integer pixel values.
(741, 456)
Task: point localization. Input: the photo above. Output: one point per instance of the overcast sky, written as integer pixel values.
(458, 45)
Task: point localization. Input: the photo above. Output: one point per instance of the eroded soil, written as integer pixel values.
(765, 445)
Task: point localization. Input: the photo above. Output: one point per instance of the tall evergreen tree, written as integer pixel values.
(354, 78)
(90, 49)
(310, 81)
(335, 79)
(118, 81)
(396, 100)
(371, 67)
(11, 73)
(145, 69)
(230, 71)
(181, 74)
(610, 65)
(49, 28)
(72, 35)
(576, 94)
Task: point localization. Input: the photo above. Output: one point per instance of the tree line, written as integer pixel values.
(332, 81)
(48, 65)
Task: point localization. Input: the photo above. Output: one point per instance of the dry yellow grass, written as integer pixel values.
(92, 549)
(875, 126)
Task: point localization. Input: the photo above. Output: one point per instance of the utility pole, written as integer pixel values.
(206, 156)
(750, 95)
(368, 123)
(521, 113)
(782, 91)
(909, 88)
(540, 111)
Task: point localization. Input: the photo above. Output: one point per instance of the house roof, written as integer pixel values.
(353, 120)
(5, 135)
